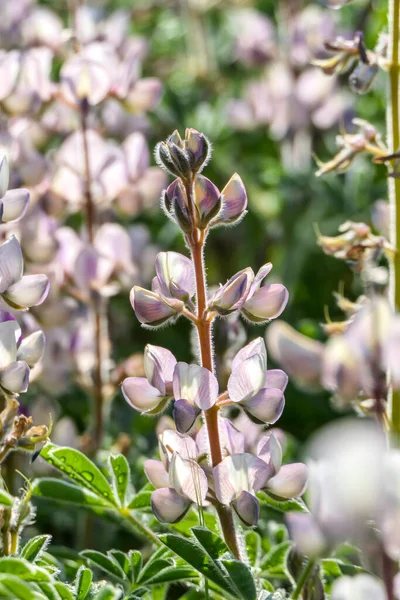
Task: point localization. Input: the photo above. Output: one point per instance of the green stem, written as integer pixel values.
(304, 575)
(139, 528)
(393, 134)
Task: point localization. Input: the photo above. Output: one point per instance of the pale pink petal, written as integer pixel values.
(156, 473)
(305, 532)
(175, 275)
(276, 378)
(234, 200)
(237, 473)
(266, 406)
(137, 155)
(15, 205)
(149, 307)
(141, 395)
(15, 377)
(29, 291)
(168, 506)
(195, 384)
(267, 303)
(290, 481)
(159, 365)
(32, 348)
(247, 379)
(270, 450)
(11, 263)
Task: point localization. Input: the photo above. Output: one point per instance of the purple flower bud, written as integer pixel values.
(234, 201)
(152, 309)
(207, 199)
(247, 508)
(169, 506)
(175, 275)
(290, 481)
(195, 384)
(233, 294)
(184, 414)
(198, 149)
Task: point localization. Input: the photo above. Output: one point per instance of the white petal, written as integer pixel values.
(15, 377)
(247, 379)
(15, 204)
(195, 384)
(29, 291)
(8, 342)
(188, 478)
(32, 348)
(11, 263)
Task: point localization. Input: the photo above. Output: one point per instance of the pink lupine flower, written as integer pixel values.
(232, 296)
(175, 276)
(195, 389)
(18, 290)
(151, 394)
(151, 308)
(267, 302)
(234, 202)
(258, 391)
(13, 203)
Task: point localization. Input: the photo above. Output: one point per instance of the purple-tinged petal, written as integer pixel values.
(188, 478)
(299, 355)
(276, 378)
(176, 192)
(195, 384)
(11, 263)
(290, 481)
(159, 365)
(15, 377)
(4, 176)
(233, 294)
(207, 199)
(247, 379)
(247, 508)
(237, 473)
(9, 69)
(232, 440)
(184, 414)
(175, 274)
(267, 303)
(83, 78)
(234, 200)
(270, 451)
(258, 279)
(86, 267)
(32, 348)
(198, 149)
(15, 205)
(307, 536)
(9, 333)
(266, 406)
(29, 291)
(257, 347)
(168, 506)
(142, 396)
(156, 473)
(171, 441)
(144, 95)
(137, 155)
(151, 308)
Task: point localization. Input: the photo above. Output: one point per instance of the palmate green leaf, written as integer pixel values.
(142, 501)
(274, 563)
(282, 505)
(35, 547)
(172, 574)
(124, 562)
(210, 562)
(5, 498)
(106, 563)
(83, 582)
(23, 569)
(138, 594)
(136, 564)
(64, 491)
(152, 568)
(120, 477)
(14, 588)
(82, 471)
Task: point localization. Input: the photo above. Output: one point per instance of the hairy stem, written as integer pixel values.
(304, 575)
(211, 415)
(99, 308)
(393, 134)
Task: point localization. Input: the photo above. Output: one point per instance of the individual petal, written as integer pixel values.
(11, 263)
(360, 587)
(159, 365)
(32, 348)
(195, 384)
(299, 355)
(257, 347)
(198, 149)
(137, 155)
(258, 279)
(233, 294)
(156, 473)
(267, 303)
(290, 481)
(15, 377)
(175, 274)
(237, 473)
(15, 204)
(29, 291)
(234, 200)
(247, 508)
(4, 175)
(276, 378)
(172, 441)
(144, 95)
(8, 342)
(151, 308)
(188, 478)
(305, 532)
(184, 414)
(168, 506)
(266, 406)
(270, 451)
(207, 199)
(142, 396)
(247, 379)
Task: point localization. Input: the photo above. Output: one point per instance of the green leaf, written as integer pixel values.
(63, 491)
(241, 575)
(136, 564)
(172, 574)
(83, 582)
(35, 547)
(120, 476)
(123, 561)
(23, 569)
(211, 542)
(14, 588)
(213, 569)
(274, 563)
(105, 563)
(152, 568)
(79, 468)
(281, 505)
(333, 568)
(253, 547)
(5, 498)
(64, 591)
(107, 593)
(141, 501)
(50, 591)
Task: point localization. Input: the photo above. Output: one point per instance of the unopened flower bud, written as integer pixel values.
(208, 200)
(151, 308)
(247, 508)
(233, 294)
(198, 149)
(180, 160)
(234, 201)
(363, 77)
